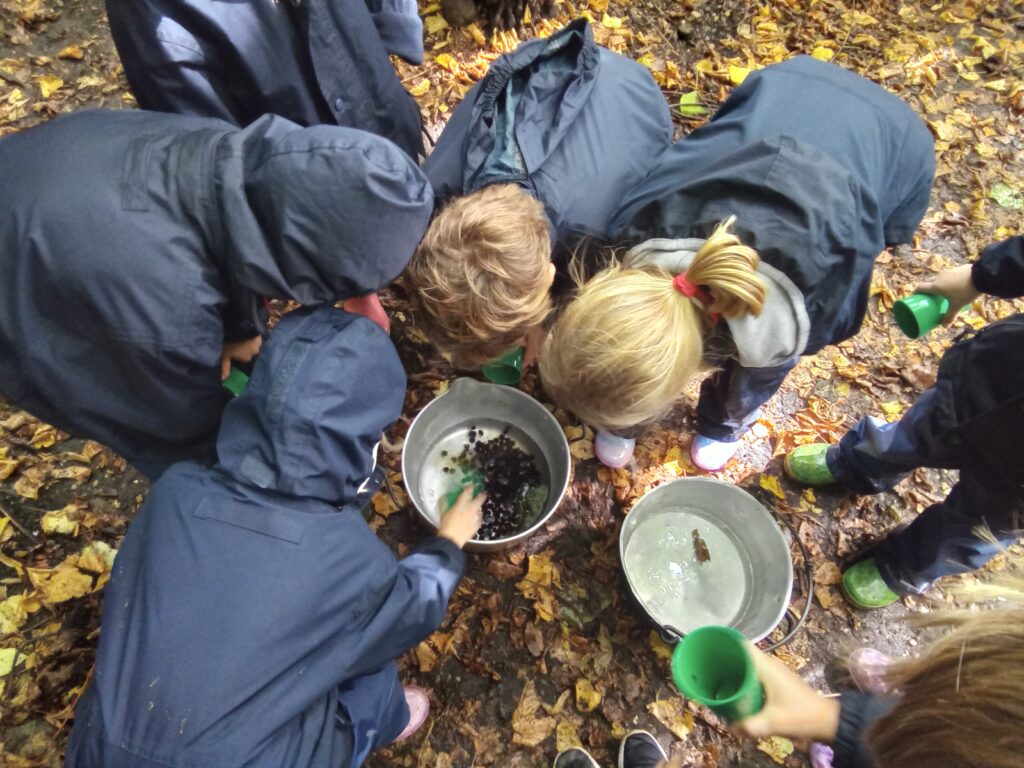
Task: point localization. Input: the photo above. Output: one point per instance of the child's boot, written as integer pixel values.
(864, 588)
(711, 455)
(807, 464)
(613, 451)
(418, 702)
(640, 750)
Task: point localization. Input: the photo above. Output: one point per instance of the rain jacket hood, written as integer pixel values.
(248, 623)
(319, 399)
(134, 244)
(572, 122)
(317, 213)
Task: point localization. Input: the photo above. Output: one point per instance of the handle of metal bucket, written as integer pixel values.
(669, 634)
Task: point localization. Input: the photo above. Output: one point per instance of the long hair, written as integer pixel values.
(961, 702)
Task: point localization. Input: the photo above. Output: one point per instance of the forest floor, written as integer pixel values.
(543, 647)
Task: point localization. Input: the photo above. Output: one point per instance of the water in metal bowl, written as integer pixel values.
(698, 551)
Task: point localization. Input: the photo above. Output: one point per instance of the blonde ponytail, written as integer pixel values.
(728, 269)
(627, 345)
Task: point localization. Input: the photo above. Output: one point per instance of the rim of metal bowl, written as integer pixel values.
(713, 481)
(564, 444)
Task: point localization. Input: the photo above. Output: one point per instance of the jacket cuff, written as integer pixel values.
(452, 557)
(999, 270)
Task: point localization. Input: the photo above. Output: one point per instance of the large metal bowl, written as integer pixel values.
(442, 426)
(748, 587)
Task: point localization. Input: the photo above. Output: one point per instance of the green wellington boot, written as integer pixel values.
(863, 586)
(806, 464)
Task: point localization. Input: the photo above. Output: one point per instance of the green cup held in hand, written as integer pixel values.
(711, 665)
(919, 313)
(507, 369)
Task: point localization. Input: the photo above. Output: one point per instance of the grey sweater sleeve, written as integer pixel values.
(856, 712)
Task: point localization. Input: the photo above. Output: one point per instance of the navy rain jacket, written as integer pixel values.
(135, 244)
(572, 122)
(311, 61)
(252, 618)
(822, 168)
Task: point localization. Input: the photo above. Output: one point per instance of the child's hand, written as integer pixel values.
(956, 285)
(239, 352)
(791, 707)
(463, 519)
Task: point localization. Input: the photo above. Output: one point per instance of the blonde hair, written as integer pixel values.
(481, 276)
(961, 703)
(630, 341)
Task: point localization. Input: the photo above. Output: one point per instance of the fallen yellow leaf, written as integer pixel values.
(823, 54)
(587, 696)
(738, 74)
(420, 88)
(64, 520)
(566, 735)
(48, 84)
(777, 748)
(72, 52)
(434, 24)
(447, 61)
(771, 483)
(893, 408)
(661, 649)
(528, 729)
(673, 715)
(611, 22)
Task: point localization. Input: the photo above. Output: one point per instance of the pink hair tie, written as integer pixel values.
(691, 291)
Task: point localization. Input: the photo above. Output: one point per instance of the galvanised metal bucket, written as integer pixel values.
(684, 525)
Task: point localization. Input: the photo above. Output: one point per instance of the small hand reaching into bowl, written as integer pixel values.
(463, 518)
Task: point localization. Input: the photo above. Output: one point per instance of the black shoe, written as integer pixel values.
(576, 757)
(640, 750)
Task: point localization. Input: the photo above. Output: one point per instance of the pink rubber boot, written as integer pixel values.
(419, 708)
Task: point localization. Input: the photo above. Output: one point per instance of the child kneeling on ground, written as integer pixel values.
(252, 617)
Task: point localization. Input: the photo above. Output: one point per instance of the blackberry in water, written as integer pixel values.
(515, 488)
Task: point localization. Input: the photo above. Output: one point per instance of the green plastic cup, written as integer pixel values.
(235, 382)
(919, 313)
(507, 369)
(711, 665)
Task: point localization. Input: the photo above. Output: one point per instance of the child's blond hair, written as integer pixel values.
(627, 345)
(961, 702)
(481, 276)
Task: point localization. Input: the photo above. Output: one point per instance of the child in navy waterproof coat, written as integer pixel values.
(252, 618)
(972, 419)
(138, 249)
(753, 242)
(540, 152)
(311, 61)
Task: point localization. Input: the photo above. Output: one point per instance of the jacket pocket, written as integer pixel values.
(276, 523)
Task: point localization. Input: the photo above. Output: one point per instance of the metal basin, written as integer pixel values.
(735, 571)
(442, 426)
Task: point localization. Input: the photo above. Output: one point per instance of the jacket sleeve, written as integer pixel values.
(416, 605)
(856, 712)
(400, 28)
(999, 271)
